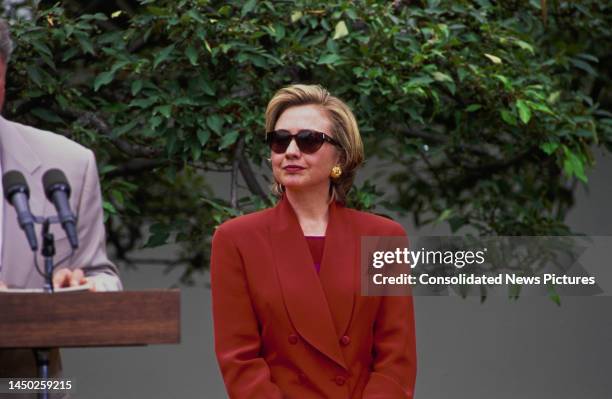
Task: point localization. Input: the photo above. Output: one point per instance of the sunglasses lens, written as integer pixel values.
(279, 141)
(308, 141)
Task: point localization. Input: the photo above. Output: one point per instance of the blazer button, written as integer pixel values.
(293, 339)
(345, 340)
(340, 380)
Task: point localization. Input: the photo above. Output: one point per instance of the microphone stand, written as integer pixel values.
(48, 252)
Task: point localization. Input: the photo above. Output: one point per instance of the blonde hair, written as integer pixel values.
(344, 127)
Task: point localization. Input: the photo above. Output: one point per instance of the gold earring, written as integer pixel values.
(336, 172)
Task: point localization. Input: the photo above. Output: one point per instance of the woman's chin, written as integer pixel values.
(295, 181)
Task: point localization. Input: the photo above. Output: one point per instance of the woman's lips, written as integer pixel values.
(292, 168)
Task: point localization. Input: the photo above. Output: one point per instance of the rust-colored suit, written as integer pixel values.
(282, 331)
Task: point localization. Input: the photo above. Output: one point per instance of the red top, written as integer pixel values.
(316, 245)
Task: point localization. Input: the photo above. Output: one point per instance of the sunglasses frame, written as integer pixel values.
(324, 136)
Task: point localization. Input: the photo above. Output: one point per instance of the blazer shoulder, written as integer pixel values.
(47, 144)
(246, 223)
(373, 224)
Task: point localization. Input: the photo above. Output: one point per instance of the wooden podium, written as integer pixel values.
(86, 319)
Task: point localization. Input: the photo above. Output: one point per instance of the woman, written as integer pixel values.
(288, 316)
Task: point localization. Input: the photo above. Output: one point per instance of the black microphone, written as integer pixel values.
(57, 191)
(17, 193)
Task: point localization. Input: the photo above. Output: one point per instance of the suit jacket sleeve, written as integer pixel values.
(394, 371)
(237, 337)
(91, 254)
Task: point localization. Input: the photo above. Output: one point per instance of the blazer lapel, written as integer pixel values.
(338, 275)
(17, 154)
(303, 293)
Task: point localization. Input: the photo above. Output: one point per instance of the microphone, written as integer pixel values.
(57, 191)
(17, 193)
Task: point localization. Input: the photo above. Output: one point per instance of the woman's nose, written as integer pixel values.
(293, 150)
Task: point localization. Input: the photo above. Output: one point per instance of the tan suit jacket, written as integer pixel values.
(32, 152)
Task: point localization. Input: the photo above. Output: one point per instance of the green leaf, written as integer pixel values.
(540, 107)
(441, 77)
(504, 80)
(207, 45)
(573, 165)
(165, 110)
(107, 168)
(207, 88)
(193, 14)
(108, 207)
(584, 133)
(157, 239)
(154, 122)
(549, 147)
(225, 10)
(215, 122)
(163, 55)
(42, 48)
(580, 64)
(143, 102)
(328, 59)
(248, 7)
(444, 215)
(419, 81)
(136, 86)
(228, 139)
(118, 196)
(94, 17)
(103, 79)
(473, 107)
(508, 117)
(494, 59)
(340, 31)
(296, 16)
(119, 131)
(553, 295)
(553, 97)
(279, 32)
(203, 136)
(34, 74)
(525, 46)
(192, 55)
(46, 115)
(524, 111)
(85, 43)
(196, 151)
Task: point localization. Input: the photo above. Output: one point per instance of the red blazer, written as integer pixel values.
(282, 331)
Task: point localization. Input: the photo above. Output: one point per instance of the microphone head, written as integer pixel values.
(55, 179)
(13, 181)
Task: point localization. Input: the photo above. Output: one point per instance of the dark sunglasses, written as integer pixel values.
(308, 141)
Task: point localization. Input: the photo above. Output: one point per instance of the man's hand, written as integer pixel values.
(2, 285)
(70, 278)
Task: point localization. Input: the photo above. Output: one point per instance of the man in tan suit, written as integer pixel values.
(33, 152)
